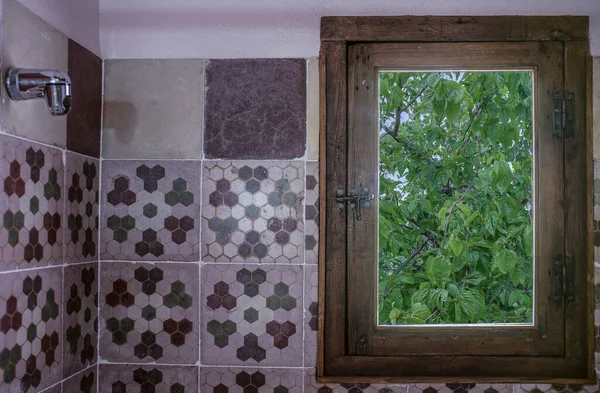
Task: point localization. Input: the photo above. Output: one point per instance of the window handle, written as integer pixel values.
(357, 198)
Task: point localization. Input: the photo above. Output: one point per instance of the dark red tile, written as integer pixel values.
(83, 122)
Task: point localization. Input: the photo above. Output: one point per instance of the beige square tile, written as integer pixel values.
(153, 108)
(29, 42)
(312, 109)
(596, 106)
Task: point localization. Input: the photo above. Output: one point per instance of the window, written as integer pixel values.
(528, 202)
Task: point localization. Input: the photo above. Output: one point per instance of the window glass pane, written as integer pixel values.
(456, 206)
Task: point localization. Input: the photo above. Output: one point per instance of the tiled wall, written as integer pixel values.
(209, 231)
(50, 177)
(208, 223)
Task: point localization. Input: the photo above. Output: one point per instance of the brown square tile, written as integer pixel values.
(83, 122)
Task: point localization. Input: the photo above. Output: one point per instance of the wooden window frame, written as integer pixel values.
(345, 313)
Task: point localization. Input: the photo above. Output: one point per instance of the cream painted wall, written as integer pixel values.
(77, 19)
(278, 28)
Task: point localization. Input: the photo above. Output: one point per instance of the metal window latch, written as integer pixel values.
(357, 198)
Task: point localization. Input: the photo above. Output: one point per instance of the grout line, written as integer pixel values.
(199, 362)
(297, 159)
(50, 146)
(304, 269)
(99, 232)
(85, 370)
(32, 269)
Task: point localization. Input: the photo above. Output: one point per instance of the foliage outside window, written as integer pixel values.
(455, 220)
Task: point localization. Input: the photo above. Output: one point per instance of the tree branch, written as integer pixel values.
(450, 216)
(406, 144)
(474, 113)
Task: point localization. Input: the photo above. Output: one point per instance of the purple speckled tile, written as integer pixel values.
(81, 208)
(80, 317)
(252, 211)
(84, 382)
(250, 380)
(149, 313)
(255, 109)
(120, 378)
(31, 204)
(312, 386)
(150, 210)
(30, 330)
(252, 315)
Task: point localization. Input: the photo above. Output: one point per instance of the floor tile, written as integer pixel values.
(120, 378)
(252, 315)
(312, 212)
(312, 386)
(82, 183)
(255, 109)
(31, 204)
(30, 329)
(250, 380)
(252, 211)
(80, 317)
(84, 382)
(149, 313)
(150, 210)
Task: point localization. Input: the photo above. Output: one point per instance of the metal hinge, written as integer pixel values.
(563, 281)
(564, 121)
(357, 198)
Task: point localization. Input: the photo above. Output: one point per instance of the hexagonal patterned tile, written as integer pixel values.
(253, 211)
(32, 178)
(312, 386)
(84, 382)
(311, 304)
(150, 210)
(460, 388)
(81, 208)
(80, 317)
(30, 330)
(252, 315)
(150, 313)
(554, 388)
(250, 380)
(148, 379)
(311, 213)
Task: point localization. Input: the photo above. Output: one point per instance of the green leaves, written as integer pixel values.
(455, 230)
(438, 269)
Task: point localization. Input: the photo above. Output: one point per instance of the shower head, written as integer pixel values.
(51, 85)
